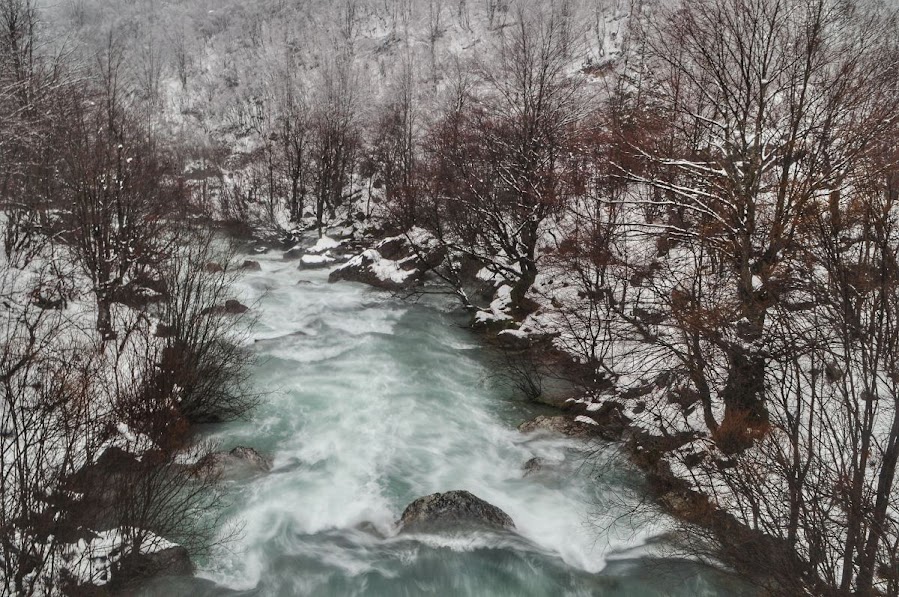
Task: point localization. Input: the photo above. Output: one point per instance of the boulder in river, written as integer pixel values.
(317, 261)
(231, 307)
(370, 267)
(532, 465)
(453, 509)
(237, 462)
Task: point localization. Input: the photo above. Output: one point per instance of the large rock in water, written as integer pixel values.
(453, 509)
(370, 267)
(238, 463)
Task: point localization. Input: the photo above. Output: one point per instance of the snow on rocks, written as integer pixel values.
(607, 421)
(452, 510)
(396, 263)
(498, 311)
(323, 245)
(320, 255)
(369, 267)
(514, 339)
(103, 559)
(312, 261)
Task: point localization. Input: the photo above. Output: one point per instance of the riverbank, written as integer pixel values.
(588, 409)
(372, 402)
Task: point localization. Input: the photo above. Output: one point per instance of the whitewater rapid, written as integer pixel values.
(369, 402)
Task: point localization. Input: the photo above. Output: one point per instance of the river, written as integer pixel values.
(370, 402)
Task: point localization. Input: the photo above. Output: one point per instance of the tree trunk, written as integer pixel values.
(523, 284)
(104, 317)
(744, 393)
(296, 207)
(865, 579)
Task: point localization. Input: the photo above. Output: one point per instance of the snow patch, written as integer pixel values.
(324, 244)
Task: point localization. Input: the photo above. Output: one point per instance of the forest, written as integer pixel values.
(687, 209)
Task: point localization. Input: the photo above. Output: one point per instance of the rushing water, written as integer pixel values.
(371, 402)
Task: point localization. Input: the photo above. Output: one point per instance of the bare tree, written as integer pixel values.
(33, 96)
(115, 182)
(335, 138)
(47, 429)
(769, 106)
(499, 155)
(295, 136)
(202, 363)
(394, 150)
(760, 218)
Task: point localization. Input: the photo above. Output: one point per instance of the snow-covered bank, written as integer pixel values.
(375, 402)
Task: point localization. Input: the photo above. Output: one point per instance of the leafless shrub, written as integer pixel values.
(202, 361)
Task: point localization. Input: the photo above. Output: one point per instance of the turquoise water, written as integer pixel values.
(371, 402)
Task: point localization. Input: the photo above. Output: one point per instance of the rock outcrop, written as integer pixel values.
(240, 461)
(452, 510)
(396, 263)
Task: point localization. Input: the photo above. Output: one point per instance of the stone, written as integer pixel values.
(231, 307)
(559, 424)
(532, 465)
(137, 296)
(251, 456)
(240, 461)
(452, 510)
(164, 330)
(513, 339)
(392, 265)
(172, 561)
(49, 299)
(369, 267)
(832, 372)
(394, 248)
(250, 266)
(316, 261)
